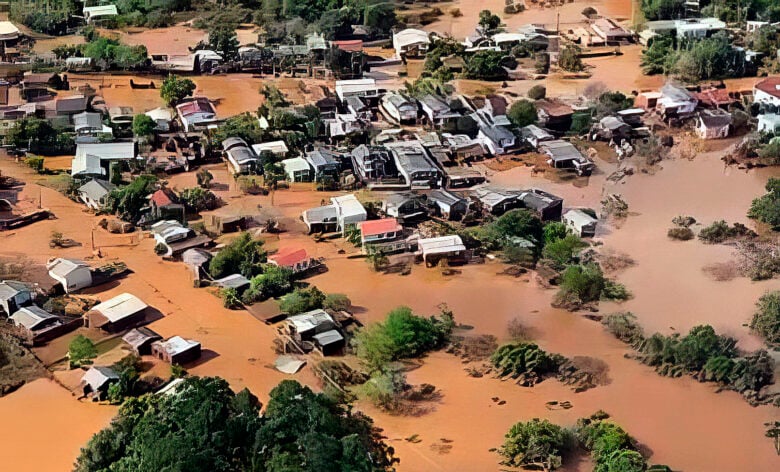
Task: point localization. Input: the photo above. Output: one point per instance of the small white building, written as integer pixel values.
(357, 88)
(713, 124)
(580, 223)
(92, 158)
(240, 156)
(33, 319)
(434, 249)
(349, 211)
(535, 135)
(278, 148)
(399, 108)
(100, 12)
(767, 91)
(411, 42)
(95, 193)
(196, 112)
(297, 170)
(13, 295)
(71, 273)
(769, 123)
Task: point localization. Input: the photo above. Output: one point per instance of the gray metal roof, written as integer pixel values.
(138, 336)
(31, 317)
(97, 188)
(10, 288)
(87, 120)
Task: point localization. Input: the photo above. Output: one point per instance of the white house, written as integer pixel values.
(91, 157)
(278, 148)
(411, 43)
(239, 155)
(297, 170)
(713, 124)
(95, 192)
(349, 211)
(357, 88)
(581, 223)
(399, 108)
(496, 139)
(71, 273)
(440, 247)
(100, 12)
(769, 123)
(767, 91)
(13, 295)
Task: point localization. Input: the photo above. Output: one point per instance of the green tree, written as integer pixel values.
(174, 89)
(81, 350)
(582, 283)
(767, 207)
(569, 59)
(128, 202)
(273, 282)
(659, 57)
(663, 9)
(223, 40)
(244, 126)
(536, 443)
(143, 125)
(197, 199)
(302, 300)
(489, 65)
(522, 113)
(766, 319)
(519, 223)
(489, 21)
(562, 252)
(337, 302)
(244, 255)
(554, 231)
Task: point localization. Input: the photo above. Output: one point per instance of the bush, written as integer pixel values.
(273, 282)
(337, 302)
(536, 443)
(197, 199)
(35, 163)
(302, 300)
(537, 92)
(580, 123)
(589, 12)
(81, 351)
(522, 113)
(766, 319)
(680, 233)
(624, 326)
(720, 231)
(562, 252)
(569, 59)
(526, 362)
(242, 256)
(456, 13)
(230, 298)
(174, 89)
(143, 125)
(518, 223)
(582, 284)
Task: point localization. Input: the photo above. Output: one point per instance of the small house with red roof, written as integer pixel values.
(767, 91)
(294, 258)
(164, 205)
(379, 231)
(196, 112)
(715, 98)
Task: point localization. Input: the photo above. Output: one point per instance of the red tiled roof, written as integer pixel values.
(375, 227)
(162, 198)
(715, 97)
(288, 257)
(351, 45)
(770, 85)
(200, 105)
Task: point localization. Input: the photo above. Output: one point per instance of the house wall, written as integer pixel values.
(763, 97)
(76, 280)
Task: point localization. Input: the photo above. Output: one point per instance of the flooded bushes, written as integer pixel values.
(766, 208)
(680, 233)
(535, 444)
(273, 282)
(585, 284)
(206, 426)
(610, 446)
(302, 300)
(242, 256)
(624, 326)
(766, 319)
(525, 362)
(719, 232)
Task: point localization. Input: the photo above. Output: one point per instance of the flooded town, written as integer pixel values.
(377, 235)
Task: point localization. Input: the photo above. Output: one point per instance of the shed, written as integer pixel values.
(448, 205)
(330, 342)
(14, 295)
(235, 281)
(443, 247)
(535, 135)
(580, 222)
(279, 148)
(548, 206)
(304, 326)
(713, 124)
(196, 257)
(97, 380)
(177, 350)
(73, 274)
(33, 318)
(141, 339)
(116, 314)
(564, 155)
(496, 202)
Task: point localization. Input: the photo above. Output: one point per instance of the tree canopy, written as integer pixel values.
(766, 319)
(174, 89)
(244, 255)
(766, 208)
(522, 113)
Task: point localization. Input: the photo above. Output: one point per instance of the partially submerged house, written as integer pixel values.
(580, 223)
(95, 193)
(496, 202)
(325, 163)
(118, 313)
(676, 102)
(304, 326)
(240, 156)
(343, 212)
(96, 381)
(72, 274)
(611, 32)
(177, 350)
(277, 148)
(535, 135)
(236, 282)
(89, 124)
(554, 115)
(447, 205)
(414, 165)
(295, 259)
(497, 139)
(94, 159)
(713, 124)
(432, 250)
(196, 113)
(399, 108)
(612, 128)
(769, 123)
(411, 42)
(363, 88)
(767, 91)
(33, 320)
(404, 205)
(14, 295)
(164, 205)
(563, 155)
(546, 205)
(141, 339)
(438, 112)
(379, 231)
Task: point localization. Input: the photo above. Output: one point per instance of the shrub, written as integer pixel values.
(582, 283)
(766, 319)
(717, 232)
(554, 231)
(537, 92)
(563, 251)
(624, 326)
(174, 89)
(569, 59)
(302, 300)
(518, 223)
(81, 351)
(197, 199)
(230, 298)
(680, 233)
(589, 12)
(242, 256)
(456, 13)
(35, 163)
(522, 113)
(525, 361)
(337, 302)
(273, 282)
(580, 123)
(536, 443)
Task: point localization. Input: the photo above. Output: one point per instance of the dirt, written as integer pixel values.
(17, 365)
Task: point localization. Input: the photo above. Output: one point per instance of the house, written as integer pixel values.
(329, 343)
(97, 380)
(448, 205)
(304, 326)
(197, 112)
(769, 123)
(713, 124)
(94, 158)
(554, 115)
(364, 88)
(90, 124)
(612, 128)
(164, 204)
(14, 295)
(328, 107)
(163, 117)
(95, 193)
(497, 139)
(277, 148)
(343, 212)
(546, 205)
(438, 113)
(375, 165)
(141, 339)
(433, 250)
(121, 116)
(177, 350)
(496, 202)
(169, 231)
(72, 274)
(240, 156)
(70, 105)
(295, 259)
(412, 162)
(100, 12)
(237, 282)
(297, 169)
(32, 320)
(404, 205)
(580, 223)
(611, 32)
(767, 91)
(682, 28)
(631, 116)
(379, 231)
(345, 124)
(116, 314)
(676, 102)
(399, 108)
(715, 98)
(9, 33)
(411, 43)
(535, 135)
(563, 155)
(647, 100)
(325, 162)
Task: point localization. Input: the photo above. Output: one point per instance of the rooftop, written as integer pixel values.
(31, 317)
(770, 85)
(120, 307)
(177, 345)
(376, 227)
(289, 256)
